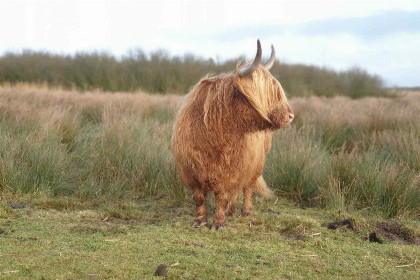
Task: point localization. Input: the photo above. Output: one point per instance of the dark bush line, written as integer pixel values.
(160, 73)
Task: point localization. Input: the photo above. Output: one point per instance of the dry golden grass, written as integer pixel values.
(339, 152)
(53, 104)
(22, 98)
(338, 111)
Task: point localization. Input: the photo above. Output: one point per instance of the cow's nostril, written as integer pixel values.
(291, 116)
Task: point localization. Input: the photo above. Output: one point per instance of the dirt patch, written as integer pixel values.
(256, 222)
(396, 232)
(226, 238)
(293, 236)
(85, 229)
(347, 223)
(17, 206)
(270, 211)
(374, 238)
(32, 238)
(194, 244)
(161, 271)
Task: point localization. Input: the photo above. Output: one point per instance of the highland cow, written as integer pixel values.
(223, 133)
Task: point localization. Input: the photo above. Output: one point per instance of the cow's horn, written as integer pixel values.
(251, 68)
(271, 62)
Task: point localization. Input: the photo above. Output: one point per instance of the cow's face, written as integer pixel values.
(280, 113)
(264, 92)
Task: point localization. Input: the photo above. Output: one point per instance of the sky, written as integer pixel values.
(382, 37)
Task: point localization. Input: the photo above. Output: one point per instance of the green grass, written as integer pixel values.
(129, 240)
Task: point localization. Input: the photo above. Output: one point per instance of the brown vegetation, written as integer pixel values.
(338, 153)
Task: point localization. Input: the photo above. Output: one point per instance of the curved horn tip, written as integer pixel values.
(257, 60)
(272, 58)
(259, 49)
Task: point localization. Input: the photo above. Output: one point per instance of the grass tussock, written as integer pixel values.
(351, 154)
(85, 145)
(340, 153)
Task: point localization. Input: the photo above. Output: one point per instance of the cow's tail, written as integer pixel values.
(262, 188)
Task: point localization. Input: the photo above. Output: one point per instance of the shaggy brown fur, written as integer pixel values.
(222, 135)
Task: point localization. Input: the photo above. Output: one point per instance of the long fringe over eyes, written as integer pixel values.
(262, 90)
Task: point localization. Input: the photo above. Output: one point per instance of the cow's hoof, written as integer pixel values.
(217, 227)
(199, 224)
(244, 214)
(230, 213)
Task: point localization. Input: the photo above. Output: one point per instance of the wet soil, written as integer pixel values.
(396, 232)
(293, 236)
(373, 237)
(270, 211)
(161, 271)
(347, 223)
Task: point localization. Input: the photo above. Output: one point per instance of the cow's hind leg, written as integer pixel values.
(231, 208)
(219, 216)
(201, 211)
(247, 206)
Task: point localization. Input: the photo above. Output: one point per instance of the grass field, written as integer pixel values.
(102, 199)
(130, 240)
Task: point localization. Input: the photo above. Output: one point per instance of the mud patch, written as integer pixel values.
(194, 244)
(256, 223)
(396, 232)
(374, 238)
(347, 224)
(87, 229)
(17, 206)
(32, 238)
(161, 271)
(293, 236)
(270, 211)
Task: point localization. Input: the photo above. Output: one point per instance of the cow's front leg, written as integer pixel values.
(201, 211)
(219, 216)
